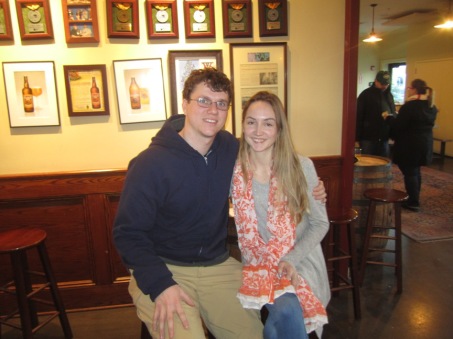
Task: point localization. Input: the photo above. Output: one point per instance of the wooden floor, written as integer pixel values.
(422, 311)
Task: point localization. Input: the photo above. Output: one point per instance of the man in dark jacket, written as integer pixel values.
(372, 133)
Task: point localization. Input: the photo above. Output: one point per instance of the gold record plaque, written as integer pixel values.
(34, 19)
(122, 13)
(199, 18)
(162, 19)
(237, 18)
(273, 17)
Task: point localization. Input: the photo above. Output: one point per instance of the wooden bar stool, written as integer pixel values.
(16, 243)
(386, 196)
(340, 220)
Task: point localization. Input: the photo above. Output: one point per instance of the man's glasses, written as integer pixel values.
(206, 103)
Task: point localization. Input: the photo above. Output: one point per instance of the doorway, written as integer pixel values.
(398, 86)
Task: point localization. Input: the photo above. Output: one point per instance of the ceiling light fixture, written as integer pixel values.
(372, 37)
(449, 21)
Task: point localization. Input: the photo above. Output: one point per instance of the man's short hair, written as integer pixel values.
(217, 81)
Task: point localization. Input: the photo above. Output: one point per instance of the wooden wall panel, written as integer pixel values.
(77, 211)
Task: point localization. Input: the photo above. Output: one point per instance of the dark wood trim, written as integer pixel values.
(77, 210)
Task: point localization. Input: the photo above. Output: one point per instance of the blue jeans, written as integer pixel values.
(285, 319)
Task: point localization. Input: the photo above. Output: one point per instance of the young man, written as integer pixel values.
(171, 225)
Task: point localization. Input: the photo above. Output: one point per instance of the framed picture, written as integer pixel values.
(162, 19)
(181, 63)
(237, 18)
(86, 90)
(140, 90)
(273, 17)
(34, 19)
(6, 31)
(256, 67)
(31, 94)
(199, 18)
(80, 21)
(122, 19)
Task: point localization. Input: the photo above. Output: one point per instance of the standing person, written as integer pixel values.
(171, 225)
(372, 134)
(280, 226)
(412, 131)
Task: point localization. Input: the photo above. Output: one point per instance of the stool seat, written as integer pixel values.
(16, 243)
(384, 196)
(341, 219)
(388, 195)
(21, 239)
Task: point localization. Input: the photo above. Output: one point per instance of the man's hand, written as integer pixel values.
(285, 269)
(168, 303)
(319, 192)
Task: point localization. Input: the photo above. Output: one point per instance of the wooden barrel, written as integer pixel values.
(371, 172)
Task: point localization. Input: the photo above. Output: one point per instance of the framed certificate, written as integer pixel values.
(122, 19)
(80, 21)
(162, 19)
(199, 18)
(6, 31)
(273, 17)
(34, 19)
(237, 18)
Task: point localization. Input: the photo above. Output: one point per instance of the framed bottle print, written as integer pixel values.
(34, 19)
(80, 21)
(162, 19)
(122, 19)
(199, 18)
(86, 90)
(237, 18)
(6, 31)
(273, 17)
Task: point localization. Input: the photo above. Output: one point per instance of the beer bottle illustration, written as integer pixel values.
(27, 96)
(95, 97)
(134, 92)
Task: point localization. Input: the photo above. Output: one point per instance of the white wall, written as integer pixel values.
(315, 57)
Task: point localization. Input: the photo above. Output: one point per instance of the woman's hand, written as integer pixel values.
(285, 269)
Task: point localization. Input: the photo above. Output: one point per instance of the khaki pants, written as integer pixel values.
(213, 289)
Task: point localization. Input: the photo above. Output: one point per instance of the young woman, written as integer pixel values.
(280, 225)
(412, 131)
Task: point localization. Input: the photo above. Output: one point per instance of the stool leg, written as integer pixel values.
(398, 252)
(19, 265)
(336, 264)
(54, 290)
(354, 273)
(366, 242)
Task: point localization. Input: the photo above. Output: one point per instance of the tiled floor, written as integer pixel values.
(422, 311)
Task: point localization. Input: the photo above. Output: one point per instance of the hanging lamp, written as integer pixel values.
(372, 37)
(449, 21)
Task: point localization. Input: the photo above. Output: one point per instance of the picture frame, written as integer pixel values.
(123, 19)
(237, 18)
(162, 19)
(181, 63)
(273, 17)
(34, 19)
(6, 30)
(256, 67)
(199, 19)
(140, 90)
(31, 93)
(80, 21)
(86, 90)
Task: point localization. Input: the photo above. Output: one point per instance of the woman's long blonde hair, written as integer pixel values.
(286, 165)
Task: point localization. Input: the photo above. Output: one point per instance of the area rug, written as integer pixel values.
(434, 222)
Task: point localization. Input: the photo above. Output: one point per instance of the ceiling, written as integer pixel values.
(394, 14)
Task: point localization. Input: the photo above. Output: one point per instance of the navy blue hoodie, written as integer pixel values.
(174, 206)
